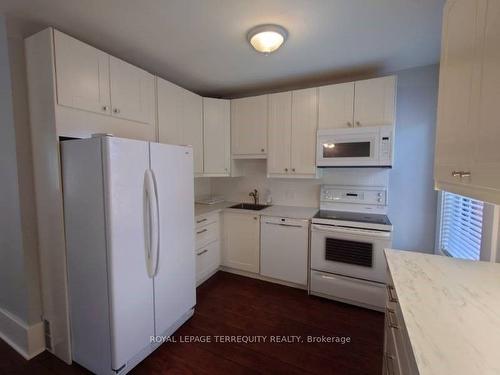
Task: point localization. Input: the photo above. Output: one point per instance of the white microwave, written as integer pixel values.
(371, 146)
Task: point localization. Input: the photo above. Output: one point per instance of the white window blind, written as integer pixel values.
(461, 226)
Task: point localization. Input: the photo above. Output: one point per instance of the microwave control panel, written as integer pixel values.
(385, 145)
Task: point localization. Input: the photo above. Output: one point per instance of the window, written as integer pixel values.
(461, 226)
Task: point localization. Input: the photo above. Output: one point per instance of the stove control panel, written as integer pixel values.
(354, 195)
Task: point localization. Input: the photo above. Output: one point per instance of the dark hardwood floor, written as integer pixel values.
(235, 306)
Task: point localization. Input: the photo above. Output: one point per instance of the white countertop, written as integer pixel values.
(451, 310)
(273, 210)
(203, 209)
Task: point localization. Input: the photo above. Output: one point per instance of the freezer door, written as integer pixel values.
(174, 282)
(131, 289)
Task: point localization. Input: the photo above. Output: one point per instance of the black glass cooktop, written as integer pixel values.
(353, 216)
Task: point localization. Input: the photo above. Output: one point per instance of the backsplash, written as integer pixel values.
(284, 191)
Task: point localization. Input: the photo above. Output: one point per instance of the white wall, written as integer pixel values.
(13, 292)
(20, 301)
(412, 200)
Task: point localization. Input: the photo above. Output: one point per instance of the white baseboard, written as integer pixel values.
(27, 340)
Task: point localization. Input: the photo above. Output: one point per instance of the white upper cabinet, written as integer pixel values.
(91, 80)
(304, 127)
(249, 127)
(170, 112)
(193, 127)
(467, 159)
(293, 122)
(459, 61)
(486, 166)
(132, 92)
(180, 119)
(279, 133)
(216, 137)
(82, 75)
(361, 103)
(375, 101)
(336, 106)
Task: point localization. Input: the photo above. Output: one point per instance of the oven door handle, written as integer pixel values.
(362, 232)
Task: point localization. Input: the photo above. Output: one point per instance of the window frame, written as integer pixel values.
(490, 241)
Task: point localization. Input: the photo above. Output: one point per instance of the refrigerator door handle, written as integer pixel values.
(150, 222)
(156, 232)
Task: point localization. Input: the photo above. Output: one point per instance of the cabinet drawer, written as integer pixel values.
(202, 221)
(359, 292)
(207, 260)
(206, 234)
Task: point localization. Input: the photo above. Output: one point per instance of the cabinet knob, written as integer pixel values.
(255, 217)
(262, 150)
(293, 169)
(116, 110)
(286, 169)
(358, 123)
(349, 124)
(465, 174)
(456, 174)
(104, 107)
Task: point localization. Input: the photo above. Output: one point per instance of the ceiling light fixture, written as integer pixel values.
(267, 38)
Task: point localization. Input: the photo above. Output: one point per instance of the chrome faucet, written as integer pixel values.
(255, 195)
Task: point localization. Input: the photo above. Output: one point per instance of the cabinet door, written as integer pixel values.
(170, 113)
(304, 127)
(279, 133)
(374, 101)
(180, 119)
(82, 75)
(241, 249)
(336, 106)
(459, 69)
(216, 136)
(193, 127)
(132, 92)
(249, 126)
(486, 168)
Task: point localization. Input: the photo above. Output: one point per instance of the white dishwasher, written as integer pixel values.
(284, 249)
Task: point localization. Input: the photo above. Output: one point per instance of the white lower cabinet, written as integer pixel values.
(398, 354)
(207, 240)
(241, 245)
(284, 249)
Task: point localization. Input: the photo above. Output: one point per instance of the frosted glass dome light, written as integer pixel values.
(267, 38)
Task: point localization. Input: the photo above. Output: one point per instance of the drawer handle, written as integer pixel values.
(200, 221)
(392, 322)
(392, 296)
(202, 231)
(202, 252)
(389, 363)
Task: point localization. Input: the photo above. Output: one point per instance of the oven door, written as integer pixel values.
(350, 252)
(344, 147)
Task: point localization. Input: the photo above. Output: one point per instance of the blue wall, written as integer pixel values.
(413, 201)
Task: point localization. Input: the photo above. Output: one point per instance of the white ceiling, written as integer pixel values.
(201, 44)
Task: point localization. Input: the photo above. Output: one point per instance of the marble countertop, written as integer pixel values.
(451, 310)
(273, 210)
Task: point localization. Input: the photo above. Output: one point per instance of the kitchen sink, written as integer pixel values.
(250, 206)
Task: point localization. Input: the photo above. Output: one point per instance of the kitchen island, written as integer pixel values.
(450, 312)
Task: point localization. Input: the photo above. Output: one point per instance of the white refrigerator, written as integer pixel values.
(129, 219)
